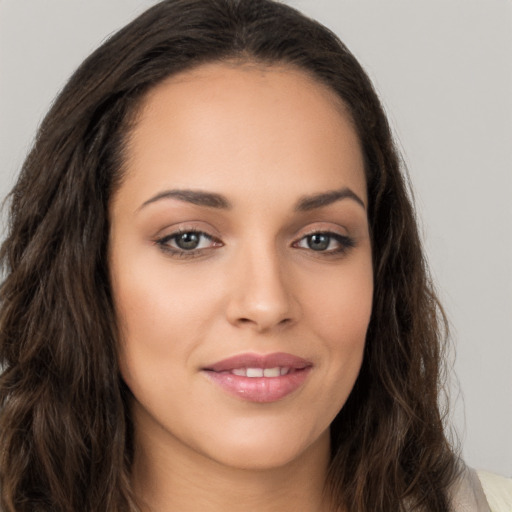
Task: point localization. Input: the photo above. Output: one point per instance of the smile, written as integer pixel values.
(260, 378)
(261, 372)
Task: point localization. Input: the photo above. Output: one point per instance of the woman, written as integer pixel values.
(216, 296)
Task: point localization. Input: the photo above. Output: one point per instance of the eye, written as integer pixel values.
(327, 242)
(191, 240)
(187, 243)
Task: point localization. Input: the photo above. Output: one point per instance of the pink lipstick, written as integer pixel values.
(260, 378)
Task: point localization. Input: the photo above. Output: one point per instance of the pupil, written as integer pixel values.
(187, 241)
(318, 242)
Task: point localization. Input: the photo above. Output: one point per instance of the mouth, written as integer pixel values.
(252, 373)
(260, 378)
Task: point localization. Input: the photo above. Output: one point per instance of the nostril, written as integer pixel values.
(261, 325)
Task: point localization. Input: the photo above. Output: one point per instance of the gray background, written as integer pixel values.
(443, 70)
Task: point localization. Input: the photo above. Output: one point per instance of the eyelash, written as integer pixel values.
(345, 243)
(163, 243)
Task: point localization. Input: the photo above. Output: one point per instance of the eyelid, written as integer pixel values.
(322, 227)
(185, 226)
(345, 241)
(162, 242)
(175, 234)
(332, 234)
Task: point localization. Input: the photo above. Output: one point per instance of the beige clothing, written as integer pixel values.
(482, 492)
(498, 491)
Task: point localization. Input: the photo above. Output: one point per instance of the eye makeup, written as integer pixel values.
(326, 243)
(190, 243)
(187, 243)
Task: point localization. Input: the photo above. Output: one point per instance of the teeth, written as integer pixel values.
(260, 372)
(254, 372)
(271, 372)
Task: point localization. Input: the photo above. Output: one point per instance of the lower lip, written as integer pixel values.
(260, 389)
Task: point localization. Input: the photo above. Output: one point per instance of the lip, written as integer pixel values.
(260, 389)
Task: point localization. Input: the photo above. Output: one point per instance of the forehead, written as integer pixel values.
(240, 126)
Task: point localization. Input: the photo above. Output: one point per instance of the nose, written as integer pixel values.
(261, 295)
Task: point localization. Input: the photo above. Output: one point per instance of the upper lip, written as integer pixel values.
(277, 359)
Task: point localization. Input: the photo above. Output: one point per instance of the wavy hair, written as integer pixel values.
(65, 430)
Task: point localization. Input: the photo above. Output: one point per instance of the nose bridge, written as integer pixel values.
(261, 294)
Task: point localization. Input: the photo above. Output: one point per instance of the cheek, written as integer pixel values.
(164, 315)
(155, 298)
(339, 311)
(340, 303)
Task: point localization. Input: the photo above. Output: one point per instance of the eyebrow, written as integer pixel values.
(214, 200)
(312, 202)
(198, 197)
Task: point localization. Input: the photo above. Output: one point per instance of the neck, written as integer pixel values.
(174, 478)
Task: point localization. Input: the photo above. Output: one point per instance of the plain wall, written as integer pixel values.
(443, 70)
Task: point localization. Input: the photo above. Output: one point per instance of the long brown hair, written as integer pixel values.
(65, 433)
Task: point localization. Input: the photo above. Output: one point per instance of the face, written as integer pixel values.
(241, 264)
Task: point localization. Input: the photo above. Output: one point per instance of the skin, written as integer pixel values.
(264, 138)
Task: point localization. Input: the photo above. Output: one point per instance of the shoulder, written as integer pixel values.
(498, 491)
(480, 491)
(466, 492)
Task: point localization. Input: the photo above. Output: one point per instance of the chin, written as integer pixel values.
(267, 450)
